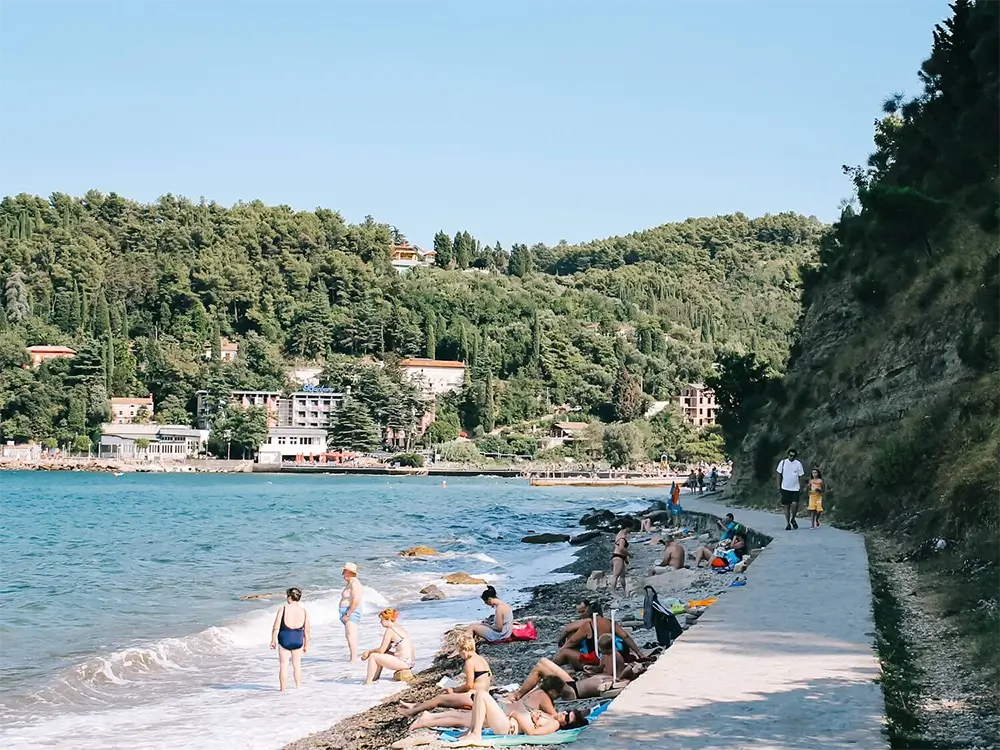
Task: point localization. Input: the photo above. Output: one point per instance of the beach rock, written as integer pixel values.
(584, 537)
(596, 518)
(658, 516)
(668, 579)
(268, 595)
(462, 579)
(418, 551)
(598, 580)
(404, 675)
(704, 537)
(658, 505)
(431, 593)
(545, 538)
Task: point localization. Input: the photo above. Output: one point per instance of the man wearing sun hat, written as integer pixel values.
(350, 607)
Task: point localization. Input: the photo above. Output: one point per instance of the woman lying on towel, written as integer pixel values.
(598, 686)
(478, 677)
(487, 714)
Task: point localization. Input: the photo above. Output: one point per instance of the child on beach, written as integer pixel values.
(290, 636)
(478, 676)
(815, 496)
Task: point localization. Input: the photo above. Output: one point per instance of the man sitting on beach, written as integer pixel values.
(673, 556)
(729, 528)
(722, 558)
(579, 648)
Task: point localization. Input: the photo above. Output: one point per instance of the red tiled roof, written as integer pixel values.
(147, 401)
(51, 350)
(422, 362)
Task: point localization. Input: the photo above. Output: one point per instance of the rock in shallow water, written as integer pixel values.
(418, 551)
(431, 593)
(584, 537)
(462, 579)
(596, 518)
(545, 538)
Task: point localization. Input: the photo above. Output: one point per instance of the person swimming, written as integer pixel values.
(290, 636)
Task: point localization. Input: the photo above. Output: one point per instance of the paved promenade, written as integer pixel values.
(783, 662)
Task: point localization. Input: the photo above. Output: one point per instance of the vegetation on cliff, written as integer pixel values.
(141, 290)
(892, 383)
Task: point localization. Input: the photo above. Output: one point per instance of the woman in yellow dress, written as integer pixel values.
(816, 496)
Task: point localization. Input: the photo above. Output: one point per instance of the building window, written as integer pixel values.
(281, 440)
(293, 441)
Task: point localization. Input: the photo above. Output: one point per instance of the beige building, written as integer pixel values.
(227, 349)
(434, 376)
(697, 404)
(124, 410)
(40, 354)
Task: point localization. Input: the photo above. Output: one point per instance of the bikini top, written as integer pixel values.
(477, 675)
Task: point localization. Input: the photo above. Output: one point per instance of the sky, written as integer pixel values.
(516, 121)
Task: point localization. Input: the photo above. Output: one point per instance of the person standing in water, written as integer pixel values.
(290, 635)
(816, 496)
(350, 608)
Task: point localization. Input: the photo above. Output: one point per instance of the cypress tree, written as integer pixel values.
(430, 337)
(443, 248)
(102, 315)
(489, 414)
(109, 362)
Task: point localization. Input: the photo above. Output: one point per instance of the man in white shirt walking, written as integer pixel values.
(789, 475)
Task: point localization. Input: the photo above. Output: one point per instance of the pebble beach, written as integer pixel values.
(550, 608)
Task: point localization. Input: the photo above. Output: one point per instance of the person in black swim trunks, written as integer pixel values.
(478, 676)
(619, 557)
(290, 636)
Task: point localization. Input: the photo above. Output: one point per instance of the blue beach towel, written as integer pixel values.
(513, 740)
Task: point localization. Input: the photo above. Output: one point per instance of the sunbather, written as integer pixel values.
(478, 676)
(580, 649)
(573, 689)
(539, 699)
(714, 560)
(487, 713)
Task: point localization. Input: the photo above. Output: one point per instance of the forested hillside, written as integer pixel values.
(892, 385)
(139, 290)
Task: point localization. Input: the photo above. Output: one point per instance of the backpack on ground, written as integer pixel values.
(661, 619)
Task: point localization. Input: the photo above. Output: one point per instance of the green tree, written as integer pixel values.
(740, 386)
(430, 337)
(352, 428)
(172, 411)
(82, 444)
(102, 316)
(520, 261)
(626, 445)
(141, 415)
(16, 299)
(443, 429)
(627, 399)
(443, 249)
(142, 444)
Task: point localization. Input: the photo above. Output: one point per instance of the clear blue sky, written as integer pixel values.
(518, 121)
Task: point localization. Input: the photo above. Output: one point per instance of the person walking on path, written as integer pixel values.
(816, 496)
(290, 636)
(713, 479)
(350, 608)
(789, 475)
(701, 480)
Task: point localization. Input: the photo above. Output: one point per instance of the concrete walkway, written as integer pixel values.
(783, 662)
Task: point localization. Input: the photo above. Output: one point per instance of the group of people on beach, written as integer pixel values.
(290, 633)
(603, 653)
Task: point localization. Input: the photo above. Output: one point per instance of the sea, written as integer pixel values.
(121, 618)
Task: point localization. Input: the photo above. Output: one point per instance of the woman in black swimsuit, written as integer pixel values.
(290, 635)
(478, 676)
(619, 557)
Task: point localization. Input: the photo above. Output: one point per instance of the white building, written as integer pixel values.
(288, 443)
(124, 410)
(305, 375)
(434, 376)
(161, 442)
(311, 407)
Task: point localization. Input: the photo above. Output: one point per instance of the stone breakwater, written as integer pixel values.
(550, 608)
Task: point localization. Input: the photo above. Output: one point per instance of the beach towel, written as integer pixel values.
(521, 632)
(515, 740)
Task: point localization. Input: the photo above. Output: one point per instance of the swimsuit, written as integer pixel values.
(477, 675)
(619, 554)
(291, 639)
(394, 645)
(571, 684)
(355, 615)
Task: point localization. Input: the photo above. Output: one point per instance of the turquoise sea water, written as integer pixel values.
(120, 618)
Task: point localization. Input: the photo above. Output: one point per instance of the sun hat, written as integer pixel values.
(351, 568)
